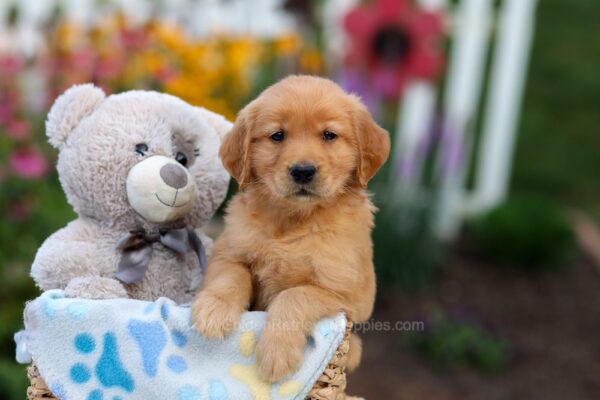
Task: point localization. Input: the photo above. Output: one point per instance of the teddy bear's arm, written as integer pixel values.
(73, 259)
(95, 287)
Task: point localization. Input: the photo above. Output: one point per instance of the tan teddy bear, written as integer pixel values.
(142, 171)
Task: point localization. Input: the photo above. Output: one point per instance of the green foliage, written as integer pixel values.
(405, 252)
(31, 210)
(13, 380)
(527, 231)
(451, 343)
(558, 142)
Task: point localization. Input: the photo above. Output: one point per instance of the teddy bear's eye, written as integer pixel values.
(141, 149)
(181, 158)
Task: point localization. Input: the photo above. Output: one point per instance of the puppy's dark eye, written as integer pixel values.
(329, 136)
(141, 149)
(277, 137)
(181, 158)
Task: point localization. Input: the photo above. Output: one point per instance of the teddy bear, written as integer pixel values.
(141, 169)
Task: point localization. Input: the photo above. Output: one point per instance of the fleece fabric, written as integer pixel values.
(123, 349)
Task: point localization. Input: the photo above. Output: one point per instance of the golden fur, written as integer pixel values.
(299, 257)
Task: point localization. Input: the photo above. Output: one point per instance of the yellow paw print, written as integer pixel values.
(248, 373)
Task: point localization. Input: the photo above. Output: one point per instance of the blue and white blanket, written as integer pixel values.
(128, 349)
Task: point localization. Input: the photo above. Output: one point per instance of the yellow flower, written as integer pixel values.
(170, 35)
(287, 45)
(153, 61)
(67, 36)
(311, 61)
(217, 72)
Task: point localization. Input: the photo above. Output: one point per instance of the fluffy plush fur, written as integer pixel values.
(96, 137)
(299, 251)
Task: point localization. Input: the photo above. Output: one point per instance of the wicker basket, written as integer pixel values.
(330, 385)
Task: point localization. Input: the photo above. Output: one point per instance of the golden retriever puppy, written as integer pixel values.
(297, 236)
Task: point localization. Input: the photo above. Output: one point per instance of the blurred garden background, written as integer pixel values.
(489, 205)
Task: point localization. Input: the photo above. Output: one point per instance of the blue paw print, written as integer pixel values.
(76, 310)
(109, 369)
(152, 338)
(188, 392)
(216, 391)
(178, 338)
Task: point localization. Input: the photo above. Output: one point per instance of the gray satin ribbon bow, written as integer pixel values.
(137, 250)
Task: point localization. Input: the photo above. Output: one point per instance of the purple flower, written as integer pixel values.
(352, 81)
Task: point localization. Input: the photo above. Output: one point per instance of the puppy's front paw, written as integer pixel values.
(279, 353)
(213, 317)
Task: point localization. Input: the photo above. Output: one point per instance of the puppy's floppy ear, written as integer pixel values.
(373, 144)
(69, 109)
(217, 121)
(235, 148)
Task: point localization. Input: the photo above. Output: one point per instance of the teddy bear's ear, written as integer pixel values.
(217, 121)
(69, 109)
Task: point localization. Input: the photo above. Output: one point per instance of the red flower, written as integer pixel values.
(28, 163)
(394, 42)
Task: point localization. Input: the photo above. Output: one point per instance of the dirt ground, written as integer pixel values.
(552, 323)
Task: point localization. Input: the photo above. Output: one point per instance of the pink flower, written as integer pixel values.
(11, 64)
(6, 111)
(395, 42)
(134, 38)
(17, 129)
(82, 60)
(109, 67)
(28, 163)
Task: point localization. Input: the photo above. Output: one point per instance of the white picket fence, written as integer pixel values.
(479, 29)
(261, 18)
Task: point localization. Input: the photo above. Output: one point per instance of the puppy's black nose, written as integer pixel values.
(303, 173)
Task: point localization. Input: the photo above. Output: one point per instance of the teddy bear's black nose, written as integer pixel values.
(174, 176)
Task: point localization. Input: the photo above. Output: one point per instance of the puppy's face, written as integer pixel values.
(303, 147)
(304, 140)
